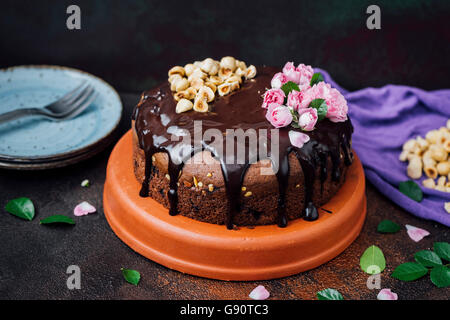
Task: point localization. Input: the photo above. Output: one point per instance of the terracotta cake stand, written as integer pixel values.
(212, 251)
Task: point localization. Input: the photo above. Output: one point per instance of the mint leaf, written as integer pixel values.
(289, 86)
(409, 271)
(316, 78)
(57, 218)
(388, 226)
(411, 189)
(440, 276)
(321, 107)
(329, 294)
(21, 207)
(442, 249)
(428, 258)
(131, 276)
(372, 261)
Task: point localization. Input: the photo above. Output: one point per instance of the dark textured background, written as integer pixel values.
(133, 43)
(34, 258)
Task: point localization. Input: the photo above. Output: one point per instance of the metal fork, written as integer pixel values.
(69, 106)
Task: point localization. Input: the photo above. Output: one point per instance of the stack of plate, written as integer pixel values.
(36, 143)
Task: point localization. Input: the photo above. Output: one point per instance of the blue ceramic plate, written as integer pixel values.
(38, 140)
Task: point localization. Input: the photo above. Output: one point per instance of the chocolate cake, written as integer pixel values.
(213, 189)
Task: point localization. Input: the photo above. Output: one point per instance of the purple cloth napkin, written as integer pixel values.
(385, 118)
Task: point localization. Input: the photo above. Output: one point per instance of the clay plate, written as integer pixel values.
(212, 251)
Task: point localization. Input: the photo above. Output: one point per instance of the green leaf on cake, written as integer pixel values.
(372, 261)
(411, 189)
(409, 271)
(440, 276)
(329, 294)
(442, 249)
(21, 207)
(428, 258)
(57, 218)
(321, 107)
(131, 276)
(289, 86)
(388, 226)
(316, 78)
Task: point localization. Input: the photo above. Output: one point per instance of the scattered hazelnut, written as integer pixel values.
(224, 89)
(201, 105)
(228, 63)
(184, 105)
(429, 183)
(447, 204)
(181, 85)
(189, 68)
(205, 93)
(251, 72)
(177, 70)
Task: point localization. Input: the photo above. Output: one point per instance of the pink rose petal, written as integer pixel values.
(387, 294)
(298, 139)
(259, 293)
(83, 209)
(415, 233)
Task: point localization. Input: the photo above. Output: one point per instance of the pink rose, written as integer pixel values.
(279, 116)
(317, 91)
(291, 72)
(273, 96)
(306, 73)
(278, 80)
(307, 119)
(337, 106)
(298, 139)
(294, 99)
(336, 103)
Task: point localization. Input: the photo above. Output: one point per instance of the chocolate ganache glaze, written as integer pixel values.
(156, 124)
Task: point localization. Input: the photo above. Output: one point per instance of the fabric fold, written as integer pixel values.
(385, 118)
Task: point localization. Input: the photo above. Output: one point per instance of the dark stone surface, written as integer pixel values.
(34, 258)
(133, 43)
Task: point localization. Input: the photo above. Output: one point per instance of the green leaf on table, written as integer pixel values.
(440, 276)
(21, 207)
(329, 294)
(57, 218)
(442, 249)
(131, 276)
(411, 189)
(372, 260)
(428, 258)
(316, 78)
(388, 226)
(289, 86)
(321, 107)
(409, 271)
